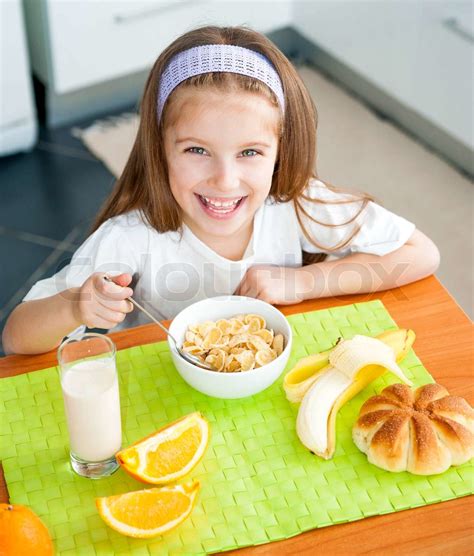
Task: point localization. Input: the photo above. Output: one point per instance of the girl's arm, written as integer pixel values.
(40, 325)
(354, 274)
(362, 273)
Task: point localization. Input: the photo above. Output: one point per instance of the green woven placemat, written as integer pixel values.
(259, 484)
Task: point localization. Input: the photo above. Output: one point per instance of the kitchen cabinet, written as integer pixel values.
(18, 124)
(91, 42)
(413, 60)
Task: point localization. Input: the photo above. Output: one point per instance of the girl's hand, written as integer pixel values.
(102, 304)
(278, 285)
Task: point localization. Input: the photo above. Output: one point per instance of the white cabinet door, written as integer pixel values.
(16, 101)
(94, 41)
(18, 127)
(407, 49)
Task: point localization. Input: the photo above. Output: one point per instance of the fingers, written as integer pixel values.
(122, 306)
(240, 289)
(112, 305)
(111, 290)
(248, 291)
(122, 279)
(104, 304)
(109, 316)
(252, 285)
(246, 288)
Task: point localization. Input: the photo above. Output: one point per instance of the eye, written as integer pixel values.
(251, 151)
(196, 150)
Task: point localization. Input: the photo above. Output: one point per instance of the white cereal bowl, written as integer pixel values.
(230, 385)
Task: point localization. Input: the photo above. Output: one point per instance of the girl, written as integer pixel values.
(220, 196)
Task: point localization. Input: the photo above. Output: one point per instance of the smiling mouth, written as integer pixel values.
(221, 206)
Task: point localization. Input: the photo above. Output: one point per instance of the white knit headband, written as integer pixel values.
(217, 58)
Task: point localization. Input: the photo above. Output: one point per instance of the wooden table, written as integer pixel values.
(445, 345)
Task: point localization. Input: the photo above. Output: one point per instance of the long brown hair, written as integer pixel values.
(144, 183)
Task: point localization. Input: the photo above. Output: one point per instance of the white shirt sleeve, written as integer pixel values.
(381, 231)
(108, 249)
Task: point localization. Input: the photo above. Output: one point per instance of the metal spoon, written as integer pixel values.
(187, 356)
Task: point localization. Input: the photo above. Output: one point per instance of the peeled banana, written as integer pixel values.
(324, 382)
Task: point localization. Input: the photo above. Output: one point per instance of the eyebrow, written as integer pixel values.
(202, 142)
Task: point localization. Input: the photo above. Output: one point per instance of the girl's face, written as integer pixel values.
(221, 152)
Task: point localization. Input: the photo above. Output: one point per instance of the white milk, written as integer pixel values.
(92, 403)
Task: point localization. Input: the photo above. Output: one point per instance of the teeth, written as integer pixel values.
(218, 204)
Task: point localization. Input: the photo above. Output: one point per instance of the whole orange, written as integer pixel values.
(22, 533)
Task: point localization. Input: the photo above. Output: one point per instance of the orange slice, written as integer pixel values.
(169, 453)
(150, 512)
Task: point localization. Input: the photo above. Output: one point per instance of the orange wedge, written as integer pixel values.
(150, 512)
(169, 453)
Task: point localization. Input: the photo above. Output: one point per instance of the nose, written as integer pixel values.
(224, 176)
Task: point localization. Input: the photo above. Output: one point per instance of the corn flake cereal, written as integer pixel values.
(277, 343)
(240, 343)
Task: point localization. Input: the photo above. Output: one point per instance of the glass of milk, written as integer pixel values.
(90, 389)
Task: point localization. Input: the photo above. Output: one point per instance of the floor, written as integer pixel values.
(51, 194)
(49, 199)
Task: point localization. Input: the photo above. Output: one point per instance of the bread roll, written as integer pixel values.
(424, 431)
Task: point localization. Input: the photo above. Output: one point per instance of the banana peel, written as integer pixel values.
(308, 369)
(304, 374)
(323, 389)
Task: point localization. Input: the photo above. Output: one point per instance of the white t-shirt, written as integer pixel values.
(171, 272)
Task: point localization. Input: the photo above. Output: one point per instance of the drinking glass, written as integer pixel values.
(89, 384)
